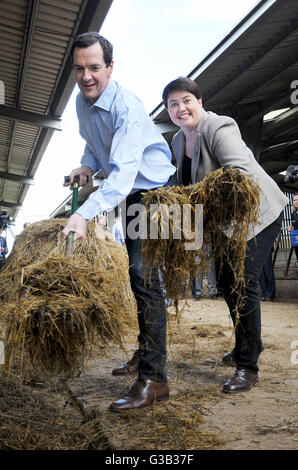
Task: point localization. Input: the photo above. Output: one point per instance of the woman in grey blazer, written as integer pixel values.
(206, 142)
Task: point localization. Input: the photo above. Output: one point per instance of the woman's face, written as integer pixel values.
(184, 109)
(295, 202)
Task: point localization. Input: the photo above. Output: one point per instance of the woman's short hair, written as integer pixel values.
(90, 38)
(181, 84)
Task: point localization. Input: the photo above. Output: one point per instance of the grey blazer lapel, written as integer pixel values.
(179, 146)
(196, 158)
(179, 151)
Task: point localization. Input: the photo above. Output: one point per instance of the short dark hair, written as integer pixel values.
(181, 84)
(90, 38)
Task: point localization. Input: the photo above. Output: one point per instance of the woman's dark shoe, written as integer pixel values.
(144, 392)
(242, 381)
(229, 358)
(131, 367)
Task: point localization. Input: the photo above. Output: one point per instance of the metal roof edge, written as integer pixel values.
(259, 9)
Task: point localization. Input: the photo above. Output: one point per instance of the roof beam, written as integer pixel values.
(286, 140)
(10, 205)
(38, 120)
(253, 59)
(231, 38)
(281, 102)
(19, 178)
(283, 122)
(284, 100)
(33, 7)
(32, 10)
(287, 154)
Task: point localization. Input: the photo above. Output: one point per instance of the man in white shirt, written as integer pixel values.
(117, 232)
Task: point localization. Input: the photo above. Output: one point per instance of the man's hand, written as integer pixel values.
(2, 250)
(85, 174)
(76, 224)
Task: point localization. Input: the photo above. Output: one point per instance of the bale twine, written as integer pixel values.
(57, 309)
(230, 202)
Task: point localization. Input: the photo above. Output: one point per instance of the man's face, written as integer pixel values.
(92, 74)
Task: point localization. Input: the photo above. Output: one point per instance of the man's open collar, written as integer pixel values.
(107, 97)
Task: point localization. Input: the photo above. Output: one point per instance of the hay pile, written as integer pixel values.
(230, 202)
(57, 309)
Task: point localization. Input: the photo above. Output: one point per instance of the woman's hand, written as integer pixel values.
(76, 224)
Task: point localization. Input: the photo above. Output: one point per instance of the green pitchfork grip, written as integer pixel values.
(74, 206)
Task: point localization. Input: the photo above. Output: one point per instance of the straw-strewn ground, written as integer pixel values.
(197, 416)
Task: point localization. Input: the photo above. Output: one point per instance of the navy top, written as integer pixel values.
(186, 171)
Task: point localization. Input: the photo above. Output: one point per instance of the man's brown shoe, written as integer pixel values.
(242, 381)
(131, 367)
(144, 392)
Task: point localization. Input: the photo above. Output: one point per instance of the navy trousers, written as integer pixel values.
(145, 284)
(248, 341)
(267, 279)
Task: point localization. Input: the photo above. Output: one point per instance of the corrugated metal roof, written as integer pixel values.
(35, 68)
(250, 73)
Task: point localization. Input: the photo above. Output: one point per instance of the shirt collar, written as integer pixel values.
(107, 97)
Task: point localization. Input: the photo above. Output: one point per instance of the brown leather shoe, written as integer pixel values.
(242, 381)
(144, 392)
(131, 367)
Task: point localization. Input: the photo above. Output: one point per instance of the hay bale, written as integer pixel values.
(57, 308)
(230, 202)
